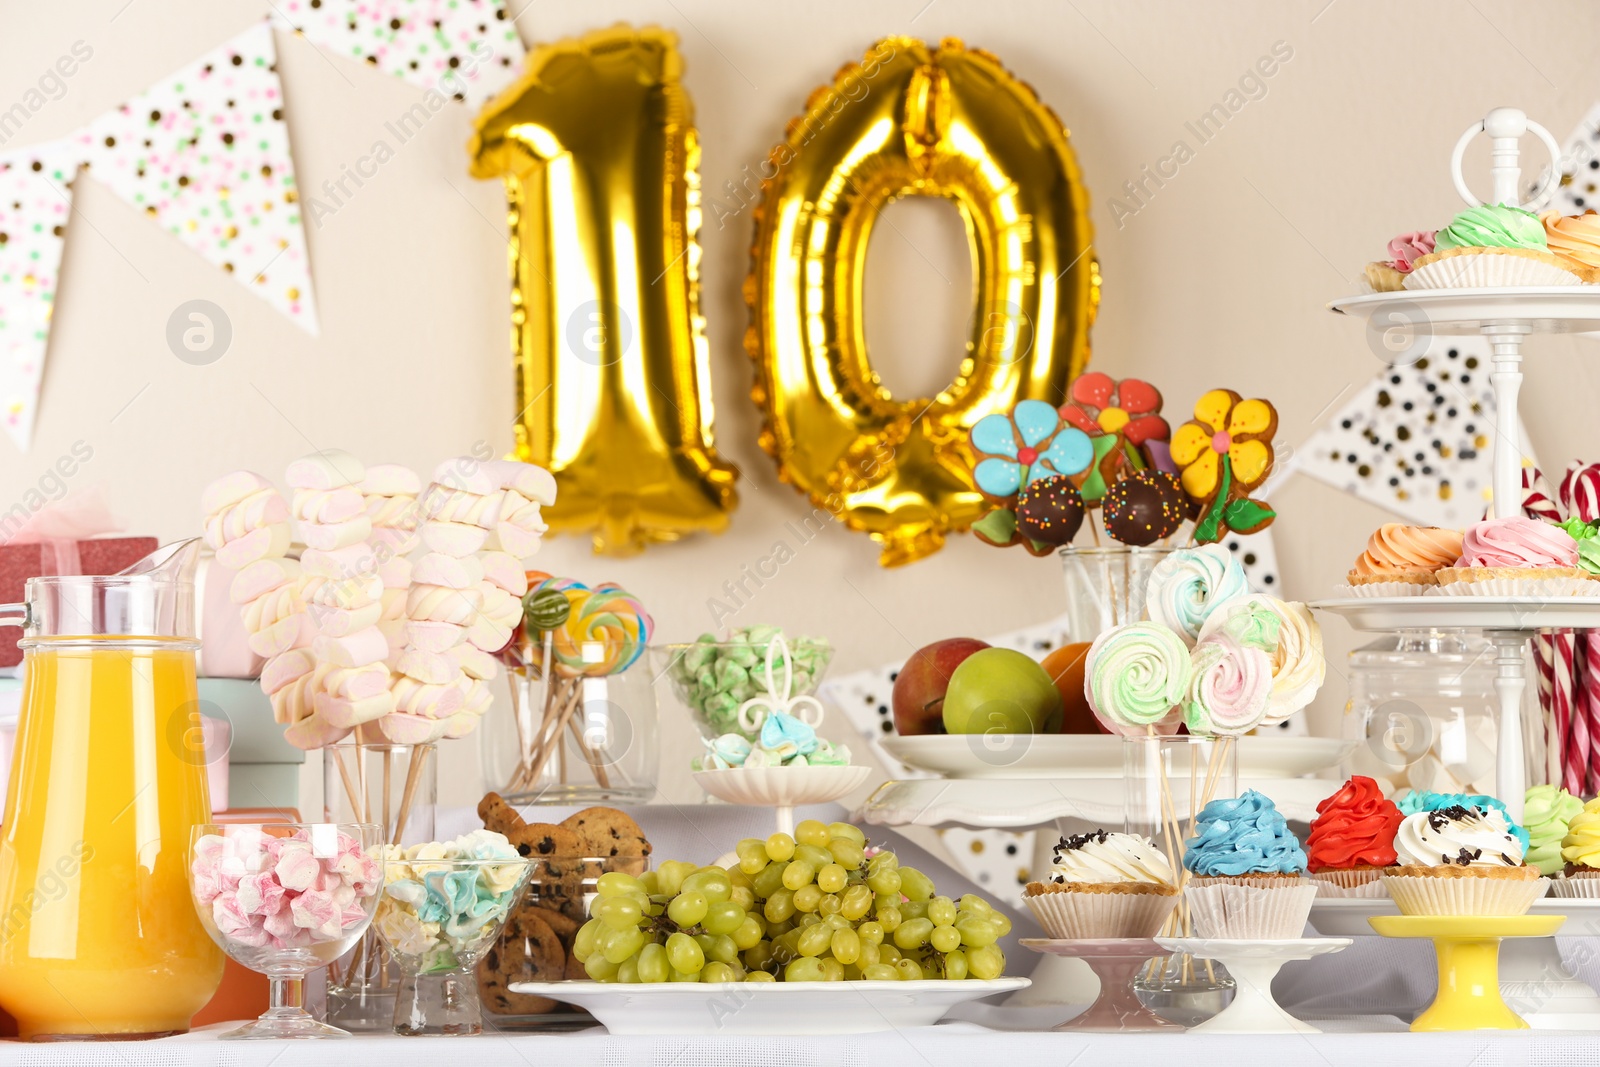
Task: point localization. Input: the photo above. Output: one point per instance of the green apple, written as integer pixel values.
(998, 690)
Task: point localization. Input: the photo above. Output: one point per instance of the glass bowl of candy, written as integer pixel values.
(443, 907)
(715, 678)
(285, 899)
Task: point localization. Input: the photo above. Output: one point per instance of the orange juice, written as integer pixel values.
(98, 931)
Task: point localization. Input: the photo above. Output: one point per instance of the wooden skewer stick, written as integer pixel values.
(554, 727)
(419, 758)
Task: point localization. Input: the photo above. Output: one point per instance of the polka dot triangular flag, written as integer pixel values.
(1418, 439)
(205, 153)
(35, 200)
(461, 49)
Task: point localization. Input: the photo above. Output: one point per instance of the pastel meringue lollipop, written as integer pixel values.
(1191, 583)
(1298, 663)
(1135, 675)
(1230, 688)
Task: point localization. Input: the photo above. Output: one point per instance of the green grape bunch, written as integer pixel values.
(813, 907)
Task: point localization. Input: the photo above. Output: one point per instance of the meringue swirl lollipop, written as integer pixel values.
(1298, 663)
(1229, 692)
(1190, 584)
(1135, 675)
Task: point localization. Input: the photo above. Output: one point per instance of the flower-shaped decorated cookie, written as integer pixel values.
(1123, 420)
(1029, 444)
(1223, 453)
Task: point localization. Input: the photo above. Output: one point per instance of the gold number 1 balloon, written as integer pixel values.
(598, 151)
(950, 122)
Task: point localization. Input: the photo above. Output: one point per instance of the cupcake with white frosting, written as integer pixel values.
(1104, 884)
(1461, 860)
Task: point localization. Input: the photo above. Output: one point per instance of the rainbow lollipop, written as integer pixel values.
(606, 629)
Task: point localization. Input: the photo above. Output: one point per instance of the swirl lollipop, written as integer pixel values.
(1295, 647)
(605, 633)
(1231, 685)
(1135, 675)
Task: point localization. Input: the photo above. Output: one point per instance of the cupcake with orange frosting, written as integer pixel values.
(1403, 560)
(1352, 840)
(1575, 240)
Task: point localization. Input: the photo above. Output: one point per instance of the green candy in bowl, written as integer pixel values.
(713, 677)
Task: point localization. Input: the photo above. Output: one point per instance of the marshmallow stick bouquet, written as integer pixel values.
(1211, 659)
(384, 630)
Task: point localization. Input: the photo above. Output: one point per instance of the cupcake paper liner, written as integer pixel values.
(1074, 915)
(1489, 268)
(1247, 913)
(1360, 883)
(1585, 886)
(1425, 895)
(1511, 581)
(1384, 589)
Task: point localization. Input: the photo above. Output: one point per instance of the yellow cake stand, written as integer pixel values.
(1468, 947)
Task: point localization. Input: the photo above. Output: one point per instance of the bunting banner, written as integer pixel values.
(465, 50)
(205, 154)
(35, 201)
(1417, 440)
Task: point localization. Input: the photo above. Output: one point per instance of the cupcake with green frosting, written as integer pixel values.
(1546, 813)
(1490, 247)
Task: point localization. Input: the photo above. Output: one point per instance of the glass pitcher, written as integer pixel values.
(98, 935)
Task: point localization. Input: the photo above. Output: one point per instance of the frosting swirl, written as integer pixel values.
(1298, 663)
(1354, 828)
(1405, 250)
(1191, 583)
(1100, 857)
(1547, 811)
(1135, 674)
(1460, 836)
(1395, 546)
(1492, 226)
(1243, 836)
(1517, 542)
(1575, 239)
(1228, 694)
(1414, 802)
(1581, 846)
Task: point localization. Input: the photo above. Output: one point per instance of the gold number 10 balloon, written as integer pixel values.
(599, 157)
(911, 120)
(598, 151)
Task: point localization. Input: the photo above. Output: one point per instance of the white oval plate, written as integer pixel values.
(1093, 755)
(781, 787)
(767, 1009)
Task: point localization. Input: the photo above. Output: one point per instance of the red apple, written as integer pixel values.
(920, 686)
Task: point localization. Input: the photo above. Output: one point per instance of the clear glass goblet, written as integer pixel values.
(285, 899)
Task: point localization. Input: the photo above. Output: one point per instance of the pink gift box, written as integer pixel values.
(224, 643)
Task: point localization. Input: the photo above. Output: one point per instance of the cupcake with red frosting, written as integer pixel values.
(1352, 840)
(1515, 556)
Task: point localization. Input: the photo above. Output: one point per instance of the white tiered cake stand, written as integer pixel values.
(1506, 317)
(1533, 969)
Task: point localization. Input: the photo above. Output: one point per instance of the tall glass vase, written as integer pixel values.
(1106, 586)
(1168, 780)
(394, 787)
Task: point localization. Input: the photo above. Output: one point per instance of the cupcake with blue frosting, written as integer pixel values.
(1247, 872)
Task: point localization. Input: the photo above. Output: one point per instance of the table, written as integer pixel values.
(955, 1044)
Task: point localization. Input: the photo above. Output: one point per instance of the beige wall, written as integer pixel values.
(1220, 280)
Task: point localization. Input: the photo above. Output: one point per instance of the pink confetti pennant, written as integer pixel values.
(205, 152)
(35, 202)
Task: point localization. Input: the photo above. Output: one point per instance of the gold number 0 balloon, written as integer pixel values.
(912, 120)
(598, 151)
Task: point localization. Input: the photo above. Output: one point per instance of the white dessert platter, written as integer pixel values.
(1505, 316)
(783, 788)
(1253, 965)
(1025, 803)
(1024, 756)
(1533, 976)
(767, 1009)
